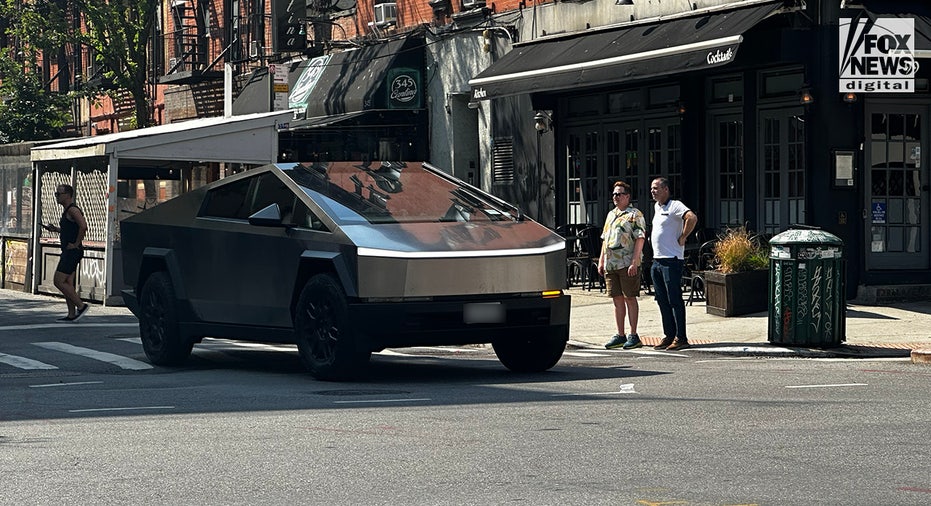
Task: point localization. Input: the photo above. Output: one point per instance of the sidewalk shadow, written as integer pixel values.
(857, 313)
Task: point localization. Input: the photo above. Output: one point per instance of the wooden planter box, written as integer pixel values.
(736, 293)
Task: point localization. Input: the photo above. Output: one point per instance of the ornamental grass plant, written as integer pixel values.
(736, 251)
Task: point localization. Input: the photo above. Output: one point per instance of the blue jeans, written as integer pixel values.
(667, 283)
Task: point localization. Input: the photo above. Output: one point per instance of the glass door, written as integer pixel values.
(897, 188)
(582, 175)
(727, 170)
(782, 161)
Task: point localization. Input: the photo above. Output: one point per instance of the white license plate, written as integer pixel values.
(483, 312)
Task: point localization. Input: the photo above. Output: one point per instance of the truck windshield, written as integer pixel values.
(395, 192)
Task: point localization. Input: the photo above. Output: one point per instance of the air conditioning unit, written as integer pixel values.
(386, 14)
(255, 49)
(472, 4)
(90, 71)
(173, 63)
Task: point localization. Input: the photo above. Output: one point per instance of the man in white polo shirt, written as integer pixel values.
(673, 221)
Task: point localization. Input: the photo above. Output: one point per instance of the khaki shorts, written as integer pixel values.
(619, 283)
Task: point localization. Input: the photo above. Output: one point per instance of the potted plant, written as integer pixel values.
(738, 282)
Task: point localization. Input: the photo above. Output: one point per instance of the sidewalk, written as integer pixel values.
(884, 331)
(872, 331)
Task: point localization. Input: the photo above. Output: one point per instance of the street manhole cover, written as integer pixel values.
(361, 392)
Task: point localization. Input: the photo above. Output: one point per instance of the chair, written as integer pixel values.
(578, 256)
(590, 251)
(693, 278)
(646, 266)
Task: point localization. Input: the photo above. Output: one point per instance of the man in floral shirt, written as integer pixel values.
(619, 263)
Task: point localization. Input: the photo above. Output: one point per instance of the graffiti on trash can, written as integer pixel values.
(802, 292)
(787, 283)
(829, 302)
(777, 297)
(816, 312)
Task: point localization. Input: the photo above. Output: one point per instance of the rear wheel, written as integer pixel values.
(325, 337)
(158, 323)
(532, 353)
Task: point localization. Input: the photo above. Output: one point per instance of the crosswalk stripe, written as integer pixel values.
(117, 360)
(23, 362)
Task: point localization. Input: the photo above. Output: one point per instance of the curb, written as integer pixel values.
(769, 350)
(921, 356)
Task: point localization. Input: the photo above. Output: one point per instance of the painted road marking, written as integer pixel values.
(829, 386)
(137, 408)
(110, 358)
(587, 354)
(23, 362)
(216, 342)
(625, 388)
(393, 353)
(73, 383)
(83, 323)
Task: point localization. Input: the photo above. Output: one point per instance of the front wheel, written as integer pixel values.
(532, 353)
(158, 323)
(324, 334)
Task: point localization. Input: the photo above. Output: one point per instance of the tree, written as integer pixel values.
(119, 31)
(28, 110)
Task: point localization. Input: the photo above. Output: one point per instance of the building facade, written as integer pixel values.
(739, 103)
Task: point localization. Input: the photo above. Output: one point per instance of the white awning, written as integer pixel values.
(250, 138)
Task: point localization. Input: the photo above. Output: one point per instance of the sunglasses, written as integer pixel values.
(58, 193)
(618, 194)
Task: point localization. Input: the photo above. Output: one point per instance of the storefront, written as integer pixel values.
(121, 174)
(364, 103)
(740, 110)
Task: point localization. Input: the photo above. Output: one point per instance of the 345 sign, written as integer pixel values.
(877, 55)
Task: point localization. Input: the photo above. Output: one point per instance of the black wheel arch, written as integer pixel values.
(165, 260)
(334, 263)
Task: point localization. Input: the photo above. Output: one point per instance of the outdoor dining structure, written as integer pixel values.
(118, 175)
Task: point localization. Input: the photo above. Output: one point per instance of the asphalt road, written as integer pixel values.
(243, 424)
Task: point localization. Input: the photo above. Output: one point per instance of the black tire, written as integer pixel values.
(535, 353)
(324, 334)
(158, 323)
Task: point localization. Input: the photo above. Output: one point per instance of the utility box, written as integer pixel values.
(807, 275)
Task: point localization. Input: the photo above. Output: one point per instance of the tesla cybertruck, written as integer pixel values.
(345, 259)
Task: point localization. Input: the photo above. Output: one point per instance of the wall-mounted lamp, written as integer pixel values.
(805, 97)
(850, 97)
(680, 107)
(542, 122)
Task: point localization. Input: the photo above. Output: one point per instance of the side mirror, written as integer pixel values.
(269, 216)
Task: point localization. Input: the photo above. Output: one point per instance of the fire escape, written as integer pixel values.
(192, 23)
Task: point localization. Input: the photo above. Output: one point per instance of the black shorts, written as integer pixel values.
(68, 262)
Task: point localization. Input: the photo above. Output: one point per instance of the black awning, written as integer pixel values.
(382, 76)
(921, 14)
(620, 54)
(255, 95)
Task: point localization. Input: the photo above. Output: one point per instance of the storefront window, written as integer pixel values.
(727, 90)
(625, 101)
(782, 84)
(664, 96)
(16, 201)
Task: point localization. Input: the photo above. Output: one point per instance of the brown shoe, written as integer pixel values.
(678, 344)
(666, 343)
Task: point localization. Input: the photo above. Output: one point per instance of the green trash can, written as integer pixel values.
(807, 275)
